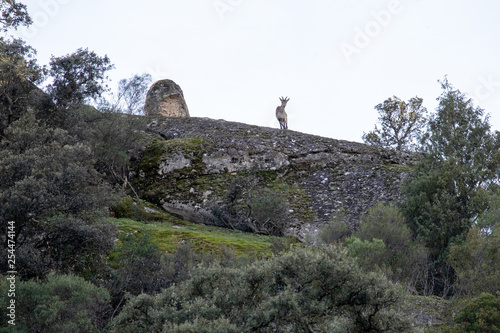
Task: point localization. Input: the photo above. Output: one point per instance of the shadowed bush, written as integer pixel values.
(301, 291)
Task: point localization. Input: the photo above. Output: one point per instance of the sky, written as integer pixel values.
(334, 59)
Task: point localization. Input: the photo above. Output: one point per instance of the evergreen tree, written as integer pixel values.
(450, 186)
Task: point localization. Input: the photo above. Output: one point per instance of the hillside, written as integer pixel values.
(214, 172)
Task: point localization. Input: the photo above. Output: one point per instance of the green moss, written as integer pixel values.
(151, 159)
(397, 168)
(141, 210)
(204, 238)
(300, 202)
(269, 177)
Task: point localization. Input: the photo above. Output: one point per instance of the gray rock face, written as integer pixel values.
(165, 98)
(197, 168)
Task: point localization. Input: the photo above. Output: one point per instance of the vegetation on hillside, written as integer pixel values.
(65, 168)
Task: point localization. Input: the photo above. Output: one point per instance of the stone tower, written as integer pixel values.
(165, 98)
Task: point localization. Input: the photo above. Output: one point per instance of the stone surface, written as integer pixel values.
(197, 167)
(165, 98)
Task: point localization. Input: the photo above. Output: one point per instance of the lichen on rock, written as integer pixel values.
(165, 98)
(208, 171)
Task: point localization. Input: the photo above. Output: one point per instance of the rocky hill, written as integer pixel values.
(255, 178)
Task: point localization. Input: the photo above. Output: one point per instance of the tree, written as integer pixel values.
(13, 14)
(301, 291)
(49, 188)
(19, 74)
(113, 137)
(131, 95)
(78, 77)
(449, 188)
(401, 124)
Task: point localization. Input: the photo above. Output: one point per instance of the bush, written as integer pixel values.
(480, 314)
(268, 212)
(370, 254)
(333, 232)
(406, 259)
(137, 210)
(476, 262)
(301, 291)
(141, 267)
(65, 303)
(49, 187)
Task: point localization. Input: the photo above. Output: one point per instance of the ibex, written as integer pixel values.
(281, 114)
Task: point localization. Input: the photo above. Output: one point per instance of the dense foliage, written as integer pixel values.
(78, 77)
(452, 185)
(64, 303)
(302, 291)
(479, 315)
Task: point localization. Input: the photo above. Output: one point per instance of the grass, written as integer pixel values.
(203, 238)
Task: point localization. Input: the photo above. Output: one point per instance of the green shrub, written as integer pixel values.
(335, 231)
(405, 260)
(476, 262)
(370, 254)
(479, 315)
(306, 290)
(137, 210)
(268, 212)
(65, 303)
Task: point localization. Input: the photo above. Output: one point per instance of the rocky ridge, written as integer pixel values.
(207, 171)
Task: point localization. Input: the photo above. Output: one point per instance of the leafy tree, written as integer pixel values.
(370, 254)
(401, 124)
(13, 14)
(19, 74)
(477, 262)
(48, 186)
(64, 303)
(301, 291)
(450, 186)
(78, 77)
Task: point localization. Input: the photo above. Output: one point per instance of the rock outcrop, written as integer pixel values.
(208, 171)
(165, 98)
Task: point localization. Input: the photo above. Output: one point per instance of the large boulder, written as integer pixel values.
(214, 172)
(165, 98)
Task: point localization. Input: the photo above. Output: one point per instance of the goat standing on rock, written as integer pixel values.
(281, 114)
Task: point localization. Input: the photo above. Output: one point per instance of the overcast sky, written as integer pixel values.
(335, 59)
